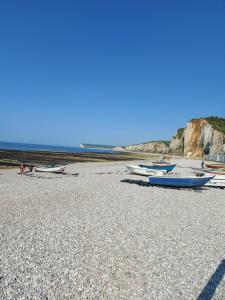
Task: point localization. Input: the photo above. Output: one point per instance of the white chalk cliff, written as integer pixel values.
(199, 137)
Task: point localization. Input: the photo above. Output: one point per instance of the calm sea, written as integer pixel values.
(36, 147)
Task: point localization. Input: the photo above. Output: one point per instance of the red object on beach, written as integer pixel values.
(22, 168)
(215, 166)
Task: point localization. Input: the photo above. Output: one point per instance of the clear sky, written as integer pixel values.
(108, 72)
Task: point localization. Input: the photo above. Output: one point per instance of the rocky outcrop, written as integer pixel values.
(152, 147)
(177, 143)
(199, 137)
(196, 136)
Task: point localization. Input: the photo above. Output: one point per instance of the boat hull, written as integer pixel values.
(187, 182)
(167, 168)
(51, 170)
(144, 171)
(219, 175)
(216, 183)
(215, 166)
(160, 162)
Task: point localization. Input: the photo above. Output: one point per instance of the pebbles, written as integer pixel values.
(95, 237)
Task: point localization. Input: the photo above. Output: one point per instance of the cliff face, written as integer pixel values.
(177, 143)
(152, 147)
(199, 138)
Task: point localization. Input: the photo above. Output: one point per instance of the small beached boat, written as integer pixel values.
(166, 167)
(218, 174)
(215, 182)
(160, 162)
(144, 171)
(179, 181)
(215, 166)
(58, 169)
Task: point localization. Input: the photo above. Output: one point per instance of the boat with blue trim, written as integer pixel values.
(180, 181)
(166, 167)
(144, 171)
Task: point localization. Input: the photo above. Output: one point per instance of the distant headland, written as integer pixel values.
(96, 146)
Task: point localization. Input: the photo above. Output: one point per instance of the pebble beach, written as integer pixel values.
(98, 232)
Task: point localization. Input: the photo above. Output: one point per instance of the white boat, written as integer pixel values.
(59, 169)
(217, 175)
(216, 183)
(145, 171)
(180, 181)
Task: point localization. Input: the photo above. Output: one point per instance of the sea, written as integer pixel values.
(38, 147)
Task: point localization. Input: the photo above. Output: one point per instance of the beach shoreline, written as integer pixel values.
(91, 233)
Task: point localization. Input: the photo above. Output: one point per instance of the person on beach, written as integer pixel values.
(30, 168)
(22, 168)
(202, 164)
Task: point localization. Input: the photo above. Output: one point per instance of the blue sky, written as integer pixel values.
(110, 72)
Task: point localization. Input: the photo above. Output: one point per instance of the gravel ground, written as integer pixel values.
(91, 236)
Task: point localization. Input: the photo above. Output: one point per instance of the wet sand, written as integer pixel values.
(12, 158)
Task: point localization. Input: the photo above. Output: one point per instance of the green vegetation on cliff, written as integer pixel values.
(217, 123)
(180, 132)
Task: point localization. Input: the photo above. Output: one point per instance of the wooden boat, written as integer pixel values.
(179, 181)
(215, 166)
(58, 169)
(144, 171)
(166, 167)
